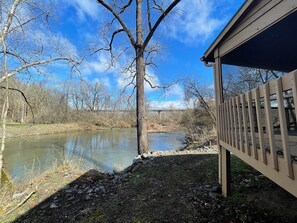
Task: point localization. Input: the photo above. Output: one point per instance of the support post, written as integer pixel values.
(224, 154)
(159, 115)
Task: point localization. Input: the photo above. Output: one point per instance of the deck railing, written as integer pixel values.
(260, 127)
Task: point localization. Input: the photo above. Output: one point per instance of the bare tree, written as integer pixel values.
(139, 37)
(246, 79)
(25, 46)
(201, 95)
(199, 119)
(93, 95)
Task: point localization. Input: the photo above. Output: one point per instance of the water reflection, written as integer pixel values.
(104, 150)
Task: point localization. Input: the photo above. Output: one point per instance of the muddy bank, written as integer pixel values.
(21, 130)
(165, 187)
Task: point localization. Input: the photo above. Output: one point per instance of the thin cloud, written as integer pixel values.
(195, 21)
(85, 8)
(177, 104)
(177, 91)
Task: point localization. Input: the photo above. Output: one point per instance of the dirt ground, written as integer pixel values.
(166, 188)
(21, 130)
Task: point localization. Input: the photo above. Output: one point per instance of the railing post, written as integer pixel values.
(283, 127)
(224, 154)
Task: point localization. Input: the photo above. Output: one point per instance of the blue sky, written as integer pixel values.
(184, 37)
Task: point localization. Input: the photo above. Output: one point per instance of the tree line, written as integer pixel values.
(72, 101)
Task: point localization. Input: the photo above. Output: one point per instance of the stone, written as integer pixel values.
(116, 179)
(102, 189)
(214, 195)
(53, 205)
(137, 158)
(44, 206)
(146, 156)
(215, 189)
(136, 167)
(247, 180)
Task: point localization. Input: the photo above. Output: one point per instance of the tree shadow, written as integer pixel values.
(71, 199)
(83, 196)
(176, 188)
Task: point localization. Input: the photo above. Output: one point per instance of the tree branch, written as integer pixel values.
(157, 86)
(25, 98)
(157, 6)
(27, 65)
(160, 19)
(148, 8)
(125, 6)
(25, 23)
(117, 16)
(14, 55)
(9, 19)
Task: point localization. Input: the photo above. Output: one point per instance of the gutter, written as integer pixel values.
(203, 59)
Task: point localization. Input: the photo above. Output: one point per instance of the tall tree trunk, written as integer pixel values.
(23, 113)
(140, 105)
(4, 109)
(140, 72)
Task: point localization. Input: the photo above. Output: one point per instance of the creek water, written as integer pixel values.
(104, 150)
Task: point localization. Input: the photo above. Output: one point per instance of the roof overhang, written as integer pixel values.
(275, 47)
(209, 54)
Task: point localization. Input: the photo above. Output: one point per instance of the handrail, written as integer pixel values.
(246, 123)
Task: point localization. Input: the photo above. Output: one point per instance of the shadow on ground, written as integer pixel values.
(179, 188)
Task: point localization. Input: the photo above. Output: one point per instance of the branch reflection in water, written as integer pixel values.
(104, 150)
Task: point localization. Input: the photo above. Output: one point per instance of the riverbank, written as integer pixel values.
(165, 187)
(21, 130)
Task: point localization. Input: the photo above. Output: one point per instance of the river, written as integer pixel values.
(104, 150)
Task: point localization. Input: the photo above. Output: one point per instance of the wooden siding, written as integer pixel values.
(260, 20)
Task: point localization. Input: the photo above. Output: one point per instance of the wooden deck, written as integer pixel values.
(262, 136)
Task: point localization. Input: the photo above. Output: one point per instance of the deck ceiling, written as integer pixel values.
(275, 48)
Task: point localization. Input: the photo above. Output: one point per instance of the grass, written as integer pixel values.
(16, 125)
(51, 180)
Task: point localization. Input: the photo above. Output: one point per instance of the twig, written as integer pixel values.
(21, 203)
(25, 98)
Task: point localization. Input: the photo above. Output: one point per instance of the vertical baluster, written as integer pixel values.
(221, 122)
(245, 128)
(239, 112)
(231, 123)
(225, 124)
(283, 127)
(218, 124)
(228, 122)
(294, 89)
(252, 124)
(235, 123)
(270, 130)
(260, 125)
